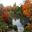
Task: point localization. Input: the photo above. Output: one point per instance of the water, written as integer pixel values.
(18, 24)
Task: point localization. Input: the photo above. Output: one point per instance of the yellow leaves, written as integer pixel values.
(29, 27)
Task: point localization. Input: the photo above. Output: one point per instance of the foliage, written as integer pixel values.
(1, 12)
(15, 27)
(28, 27)
(27, 8)
(7, 13)
(3, 25)
(11, 14)
(18, 10)
(26, 30)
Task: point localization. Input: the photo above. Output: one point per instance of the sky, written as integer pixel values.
(11, 2)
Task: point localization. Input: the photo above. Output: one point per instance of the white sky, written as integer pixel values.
(11, 2)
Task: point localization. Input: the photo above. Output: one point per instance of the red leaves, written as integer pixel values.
(5, 16)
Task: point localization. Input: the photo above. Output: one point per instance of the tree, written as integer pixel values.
(1, 12)
(14, 7)
(17, 12)
(3, 25)
(26, 8)
(5, 17)
(1, 7)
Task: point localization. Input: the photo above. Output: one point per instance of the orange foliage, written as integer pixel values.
(26, 8)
